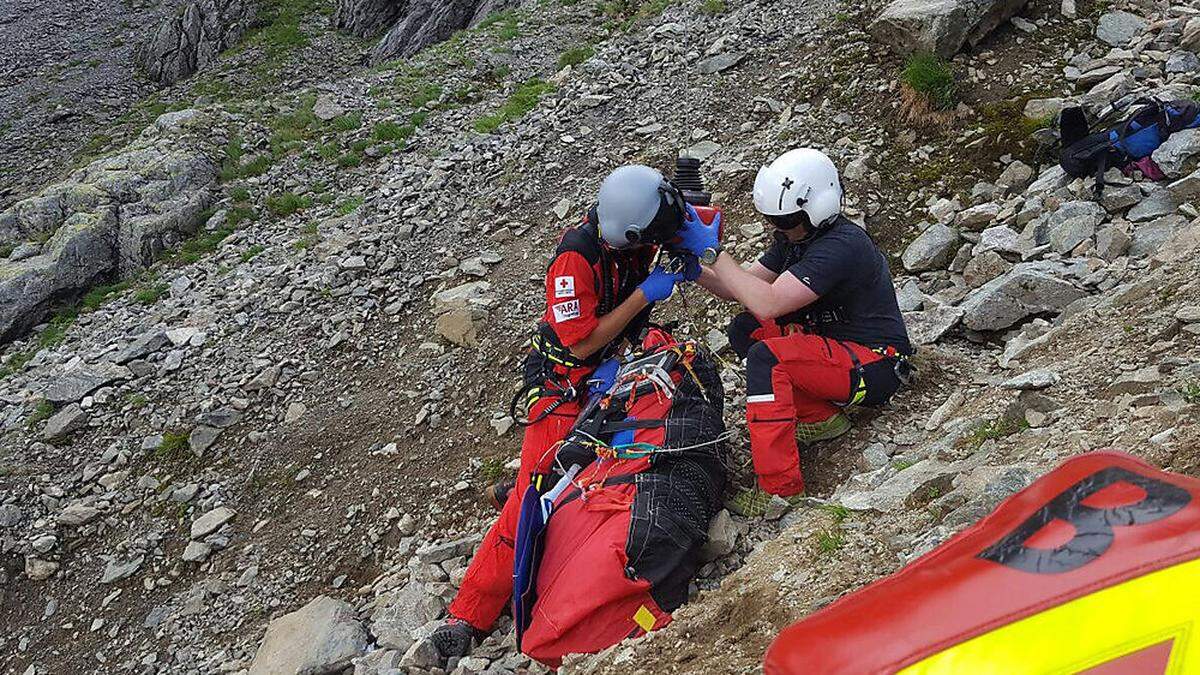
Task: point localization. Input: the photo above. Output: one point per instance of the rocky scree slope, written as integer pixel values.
(280, 423)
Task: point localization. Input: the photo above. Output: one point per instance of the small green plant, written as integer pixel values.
(137, 401)
(837, 511)
(418, 118)
(492, 469)
(56, 330)
(328, 151)
(829, 541)
(390, 131)
(17, 362)
(1191, 391)
(575, 56)
(41, 412)
(255, 167)
(349, 159)
(992, 430)
(309, 237)
(148, 295)
(174, 448)
(520, 102)
(931, 77)
(348, 122)
(252, 252)
(714, 7)
(199, 246)
(287, 203)
(349, 205)
(240, 194)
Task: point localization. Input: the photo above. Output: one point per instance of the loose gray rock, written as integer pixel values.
(931, 249)
(399, 613)
(78, 382)
(1179, 155)
(318, 639)
(212, 521)
(1028, 289)
(940, 26)
(1118, 29)
(65, 422)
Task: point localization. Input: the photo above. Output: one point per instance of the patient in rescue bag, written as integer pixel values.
(622, 544)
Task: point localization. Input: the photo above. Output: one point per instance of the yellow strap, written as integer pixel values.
(1088, 631)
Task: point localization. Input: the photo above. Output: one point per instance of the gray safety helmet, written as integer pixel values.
(637, 206)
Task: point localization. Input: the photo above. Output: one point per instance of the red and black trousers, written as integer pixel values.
(797, 377)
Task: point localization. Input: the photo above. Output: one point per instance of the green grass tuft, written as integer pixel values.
(174, 448)
(829, 541)
(575, 56)
(148, 295)
(347, 122)
(252, 252)
(714, 7)
(391, 131)
(520, 102)
(350, 205)
(931, 77)
(41, 412)
(287, 203)
(349, 159)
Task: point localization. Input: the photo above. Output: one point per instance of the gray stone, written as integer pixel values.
(421, 655)
(1000, 239)
(143, 346)
(908, 296)
(719, 63)
(39, 570)
(984, 268)
(318, 639)
(1028, 289)
(1159, 203)
(202, 438)
(1034, 379)
(10, 516)
(1117, 198)
(327, 109)
(116, 571)
(1179, 155)
(1140, 381)
(1111, 242)
(434, 553)
(940, 26)
(427, 22)
(1048, 181)
(196, 551)
(77, 514)
(931, 249)
(722, 537)
(191, 39)
(211, 522)
(1182, 62)
(1186, 188)
(1148, 238)
(1016, 176)
(930, 325)
(1119, 28)
(82, 380)
(1073, 223)
(65, 422)
(399, 613)
(976, 217)
(1043, 108)
(366, 18)
(910, 487)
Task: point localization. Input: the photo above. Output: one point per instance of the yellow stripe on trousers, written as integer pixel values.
(1088, 631)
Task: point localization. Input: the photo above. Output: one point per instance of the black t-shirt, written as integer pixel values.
(842, 265)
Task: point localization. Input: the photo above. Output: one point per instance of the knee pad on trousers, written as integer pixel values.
(760, 364)
(739, 332)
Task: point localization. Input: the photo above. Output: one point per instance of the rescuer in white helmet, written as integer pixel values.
(821, 330)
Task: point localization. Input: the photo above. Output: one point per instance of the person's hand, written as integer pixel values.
(695, 236)
(603, 377)
(659, 285)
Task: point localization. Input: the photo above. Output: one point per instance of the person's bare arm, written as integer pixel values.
(610, 326)
(764, 299)
(710, 281)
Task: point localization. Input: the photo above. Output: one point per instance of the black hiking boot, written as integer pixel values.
(455, 638)
(497, 493)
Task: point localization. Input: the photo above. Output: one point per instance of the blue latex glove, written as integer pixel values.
(695, 236)
(659, 284)
(603, 377)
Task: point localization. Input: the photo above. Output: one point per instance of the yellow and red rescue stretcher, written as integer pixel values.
(1094, 568)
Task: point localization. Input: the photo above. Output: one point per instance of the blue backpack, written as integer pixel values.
(1087, 153)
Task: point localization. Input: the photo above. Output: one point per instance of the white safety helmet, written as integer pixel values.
(799, 187)
(637, 206)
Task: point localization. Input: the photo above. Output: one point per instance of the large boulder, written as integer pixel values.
(1073, 223)
(192, 38)
(1118, 29)
(1180, 154)
(422, 23)
(932, 249)
(110, 218)
(366, 18)
(1027, 290)
(319, 638)
(940, 26)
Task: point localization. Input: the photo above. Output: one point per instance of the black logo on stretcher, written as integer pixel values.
(1093, 526)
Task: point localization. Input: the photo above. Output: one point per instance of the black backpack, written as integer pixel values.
(1088, 153)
